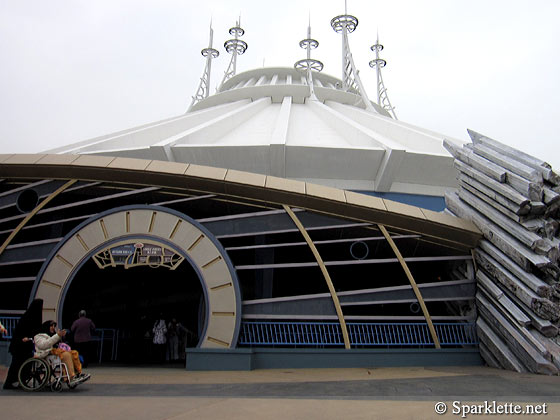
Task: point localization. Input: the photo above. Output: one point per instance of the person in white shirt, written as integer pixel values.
(45, 343)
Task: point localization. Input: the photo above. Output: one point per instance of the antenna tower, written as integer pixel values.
(346, 24)
(234, 47)
(309, 64)
(378, 64)
(204, 87)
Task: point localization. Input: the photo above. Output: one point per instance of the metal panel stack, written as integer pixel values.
(514, 199)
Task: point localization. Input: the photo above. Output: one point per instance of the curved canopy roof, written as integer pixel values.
(442, 228)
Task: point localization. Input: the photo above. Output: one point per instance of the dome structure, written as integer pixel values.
(294, 124)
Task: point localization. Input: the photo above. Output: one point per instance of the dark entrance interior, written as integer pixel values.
(125, 303)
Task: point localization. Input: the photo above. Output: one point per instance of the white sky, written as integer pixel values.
(72, 70)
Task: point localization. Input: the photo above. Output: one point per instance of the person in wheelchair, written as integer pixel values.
(46, 343)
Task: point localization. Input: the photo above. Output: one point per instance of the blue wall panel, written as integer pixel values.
(429, 202)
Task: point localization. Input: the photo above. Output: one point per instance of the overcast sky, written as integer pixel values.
(72, 70)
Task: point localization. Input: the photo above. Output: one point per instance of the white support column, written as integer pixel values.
(388, 169)
(279, 137)
(345, 24)
(250, 82)
(204, 86)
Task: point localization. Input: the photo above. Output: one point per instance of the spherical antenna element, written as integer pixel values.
(377, 47)
(347, 22)
(308, 64)
(312, 43)
(377, 62)
(236, 31)
(237, 45)
(234, 47)
(210, 52)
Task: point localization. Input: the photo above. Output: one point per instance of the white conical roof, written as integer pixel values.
(266, 121)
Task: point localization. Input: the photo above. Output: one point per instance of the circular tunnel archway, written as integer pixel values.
(127, 226)
(125, 302)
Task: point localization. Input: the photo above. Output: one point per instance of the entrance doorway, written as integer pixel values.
(124, 304)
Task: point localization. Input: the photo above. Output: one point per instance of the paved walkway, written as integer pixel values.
(383, 393)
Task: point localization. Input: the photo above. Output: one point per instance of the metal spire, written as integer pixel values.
(346, 24)
(204, 86)
(379, 63)
(234, 47)
(309, 64)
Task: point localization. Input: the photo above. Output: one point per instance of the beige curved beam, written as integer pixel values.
(325, 274)
(33, 213)
(443, 229)
(413, 284)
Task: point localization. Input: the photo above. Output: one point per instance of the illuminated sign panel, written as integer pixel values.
(136, 254)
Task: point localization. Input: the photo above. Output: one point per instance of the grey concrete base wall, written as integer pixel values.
(5, 357)
(248, 359)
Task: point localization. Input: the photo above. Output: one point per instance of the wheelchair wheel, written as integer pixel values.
(34, 374)
(56, 386)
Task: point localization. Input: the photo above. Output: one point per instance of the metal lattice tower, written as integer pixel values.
(346, 24)
(309, 64)
(234, 47)
(378, 63)
(204, 87)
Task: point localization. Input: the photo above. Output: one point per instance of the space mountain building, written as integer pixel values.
(286, 220)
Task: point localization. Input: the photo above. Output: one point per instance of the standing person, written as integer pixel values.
(182, 332)
(81, 330)
(172, 340)
(3, 329)
(21, 346)
(159, 340)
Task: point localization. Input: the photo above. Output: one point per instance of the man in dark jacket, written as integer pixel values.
(82, 328)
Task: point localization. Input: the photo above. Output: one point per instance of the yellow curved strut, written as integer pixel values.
(33, 213)
(325, 274)
(413, 284)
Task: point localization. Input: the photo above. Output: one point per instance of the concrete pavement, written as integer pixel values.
(155, 392)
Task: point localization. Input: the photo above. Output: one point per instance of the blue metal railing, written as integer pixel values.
(102, 336)
(318, 334)
(322, 334)
(10, 323)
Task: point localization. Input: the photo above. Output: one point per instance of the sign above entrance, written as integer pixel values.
(138, 254)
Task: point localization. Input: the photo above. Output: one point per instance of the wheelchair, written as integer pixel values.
(36, 374)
